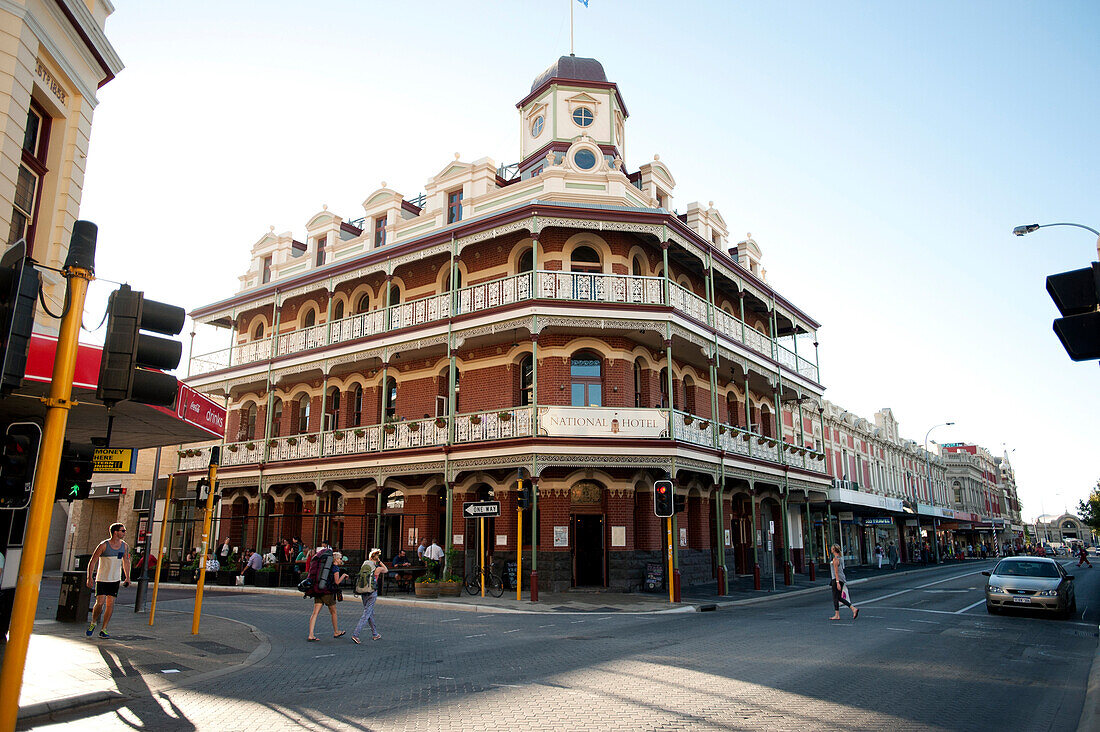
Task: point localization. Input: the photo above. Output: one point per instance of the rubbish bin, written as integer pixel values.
(76, 597)
(82, 561)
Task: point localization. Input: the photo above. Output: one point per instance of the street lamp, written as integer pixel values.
(928, 472)
(1028, 228)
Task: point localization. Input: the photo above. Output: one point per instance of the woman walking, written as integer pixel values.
(836, 571)
(366, 586)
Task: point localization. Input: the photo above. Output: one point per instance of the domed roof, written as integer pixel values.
(573, 68)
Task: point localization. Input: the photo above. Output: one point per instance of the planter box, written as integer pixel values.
(267, 579)
(227, 579)
(289, 577)
(188, 576)
(450, 589)
(426, 589)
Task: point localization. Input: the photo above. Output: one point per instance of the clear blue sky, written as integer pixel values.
(880, 153)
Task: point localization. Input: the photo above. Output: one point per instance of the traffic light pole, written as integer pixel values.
(163, 552)
(78, 272)
(143, 578)
(212, 475)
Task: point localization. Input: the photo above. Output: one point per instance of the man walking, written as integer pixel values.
(1083, 556)
(435, 553)
(892, 555)
(109, 560)
(326, 575)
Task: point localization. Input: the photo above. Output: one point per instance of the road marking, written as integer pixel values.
(884, 597)
(512, 631)
(949, 579)
(549, 625)
(327, 655)
(951, 591)
(476, 635)
(903, 630)
(449, 620)
(510, 686)
(930, 622)
(574, 622)
(970, 607)
(448, 678)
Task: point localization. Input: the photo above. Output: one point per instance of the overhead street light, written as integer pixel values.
(928, 474)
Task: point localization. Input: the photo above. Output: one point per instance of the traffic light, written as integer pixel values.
(1077, 295)
(202, 492)
(18, 297)
(526, 495)
(74, 478)
(17, 464)
(129, 355)
(663, 501)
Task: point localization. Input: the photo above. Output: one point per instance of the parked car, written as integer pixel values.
(1030, 582)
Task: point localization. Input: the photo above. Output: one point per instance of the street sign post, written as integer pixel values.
(114, 460)
(480, 509)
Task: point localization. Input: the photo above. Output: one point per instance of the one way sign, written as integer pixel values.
(479, 509)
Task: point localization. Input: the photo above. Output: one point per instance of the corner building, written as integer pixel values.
(556, 316)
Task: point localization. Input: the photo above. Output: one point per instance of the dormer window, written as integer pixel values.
(320, 245)
(265, 275)
(537, 125)
(379, 231)
(583, 117)
(454, 206)
(662, 199)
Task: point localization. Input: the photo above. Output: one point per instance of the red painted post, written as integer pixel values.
(721, 580)
(755, 576)
(676, 585)
(813, 573)
(787, 573)
(534, 587)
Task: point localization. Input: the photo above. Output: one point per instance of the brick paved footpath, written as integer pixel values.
(773, 666)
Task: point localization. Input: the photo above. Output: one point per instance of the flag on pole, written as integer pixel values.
(583, 2)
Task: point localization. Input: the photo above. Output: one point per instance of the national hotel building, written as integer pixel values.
(557, 316)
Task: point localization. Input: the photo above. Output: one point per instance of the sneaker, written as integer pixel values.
(103, 634)
(90, 630)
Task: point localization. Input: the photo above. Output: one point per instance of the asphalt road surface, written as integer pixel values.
(922, 655)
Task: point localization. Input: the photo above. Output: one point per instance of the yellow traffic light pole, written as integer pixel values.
(519, 544)
(212, 475)
(58, 404)
(671, 589)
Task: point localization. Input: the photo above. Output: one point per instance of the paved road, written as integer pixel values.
(923, 655)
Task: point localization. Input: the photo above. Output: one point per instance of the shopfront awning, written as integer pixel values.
(868, 500)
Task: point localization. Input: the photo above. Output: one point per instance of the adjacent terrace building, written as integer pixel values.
(557, 318)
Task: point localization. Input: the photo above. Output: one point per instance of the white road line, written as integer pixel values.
(449, 620)
(944, 592)
(512, 631)
(930, 622)
(970, 607)
(476, 635)
(574, 622)
(884, 597)
(327, 655)
(548, 625)
(949, 579)
(510, 686)
(448, 678)
(903, 630)
(916, 610)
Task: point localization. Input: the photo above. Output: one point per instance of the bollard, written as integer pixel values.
(676, 585)
(813, 574)
(755, 576)
(721, 580)
(534, 586)
(787, 573)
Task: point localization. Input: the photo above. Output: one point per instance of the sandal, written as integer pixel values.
(312, 639)
(337, 635)
(855, 614)
(355, 639)
(376, 637)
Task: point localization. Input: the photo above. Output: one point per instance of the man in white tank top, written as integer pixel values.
(111, 563)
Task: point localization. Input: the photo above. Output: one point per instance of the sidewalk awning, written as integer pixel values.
(194, 418)
(867, 500)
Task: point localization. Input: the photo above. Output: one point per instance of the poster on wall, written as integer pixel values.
(457, 539)
(618, 536)
(413, 540)
(561, 536)
(727, 537)
(502, 539)
(683, 537)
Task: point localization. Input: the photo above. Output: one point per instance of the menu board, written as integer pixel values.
(510, 575)
(654, 576)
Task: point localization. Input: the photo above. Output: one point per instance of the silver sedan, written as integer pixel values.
(1030, 582)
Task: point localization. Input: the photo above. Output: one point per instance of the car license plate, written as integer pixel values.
(1022, 600)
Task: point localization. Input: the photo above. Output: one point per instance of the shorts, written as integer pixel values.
(326, 599)
(107, 588)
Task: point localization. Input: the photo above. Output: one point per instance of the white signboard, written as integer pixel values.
(502, 539)
(618, 536)
(727, 537)
(602, 422)
(561, 536)
(683, 537)
(771, 527)
(457, 539)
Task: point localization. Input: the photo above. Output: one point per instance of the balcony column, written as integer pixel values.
(261, 514)
(710, 291)
(720, 526)
(669, 380)
(448, 540)
(276, 321)
(748, 410)
(741, 302)
(453, 279)
(817, 358)
(535, 530)
(232, 339)
(712, 362)
(811, 557)
(386, 298)
(378, 513)
(266, 452)
(384, 395)
(328, 316)
(755, 547)
(785, 531)
(772, 329)
(801, 424)
(324, 411)
(535, 266)
(779, 419)
(535, 378)
(664, 272)
(452, 400)
(795, 339)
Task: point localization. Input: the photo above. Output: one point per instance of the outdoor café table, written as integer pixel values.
(403, 577)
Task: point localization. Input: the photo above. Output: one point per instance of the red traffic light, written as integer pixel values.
(663, 504)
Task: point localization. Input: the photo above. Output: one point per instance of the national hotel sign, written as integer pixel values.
(50, 82)
(602, 422)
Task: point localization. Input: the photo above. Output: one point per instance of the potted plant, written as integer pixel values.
(722, 429)
(476, 419)
(761, 440)
(703, 424)
(360, 432)
(250, 446)
(227, 577)
(504, 416)
(292, 441)
(688, 419)
(427, 585)
(451, 584)
(414, 426)
(440, 422)
(188, 573)
(311, 439)
(273, 443)
(268, 576)
(389, 428)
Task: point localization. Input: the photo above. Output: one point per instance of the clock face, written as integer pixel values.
(582, 116)
(536, 126)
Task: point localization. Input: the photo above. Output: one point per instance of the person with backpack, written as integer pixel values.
(366, 586)
(324, 576)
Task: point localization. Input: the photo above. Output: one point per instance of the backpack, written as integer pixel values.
(320, 571)
(365, 581)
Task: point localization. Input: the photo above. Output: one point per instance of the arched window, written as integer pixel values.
(636, 267)
(395, 294)
(338, 311)
(259, 332)
(689, 395)
(364, 303)
(389, 400)
(447, 279)
(357, 407)
(735, 411)
(277, 418)
(303, 414)
(584, 259)
(586, 380)
(526, 261)
(443, 392)
(247, 429)
(526, 372)
(766, 421)
(664, 388)
(309, 319)
(637, 382)
(332, 407)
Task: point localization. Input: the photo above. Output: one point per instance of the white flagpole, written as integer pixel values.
(571, 26)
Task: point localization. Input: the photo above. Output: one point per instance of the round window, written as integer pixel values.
(584, 159)
(582, 116)
(536, 126)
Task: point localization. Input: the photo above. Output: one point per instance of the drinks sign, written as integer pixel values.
(602, 422)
